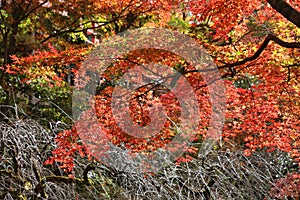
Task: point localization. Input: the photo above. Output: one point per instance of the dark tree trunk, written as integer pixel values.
(286, 10)
(12, 42)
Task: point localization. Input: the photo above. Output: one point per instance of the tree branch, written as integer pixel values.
(263, 46)
(286, 10)
(63, 179)
(88, 168)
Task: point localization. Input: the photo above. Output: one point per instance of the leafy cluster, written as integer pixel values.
(43, 155)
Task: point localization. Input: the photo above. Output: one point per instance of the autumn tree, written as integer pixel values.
(28, 27)
(255, 45)
(263, 40)
(27, 23)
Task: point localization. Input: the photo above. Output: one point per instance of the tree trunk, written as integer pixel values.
(286, 10)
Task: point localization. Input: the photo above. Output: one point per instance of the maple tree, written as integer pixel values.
(27, 26)
(27, 23)
(255, 45)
